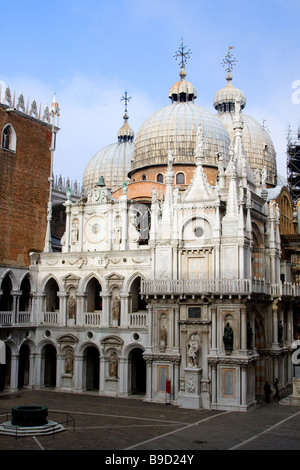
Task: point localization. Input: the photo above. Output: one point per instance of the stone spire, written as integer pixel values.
(200, 189)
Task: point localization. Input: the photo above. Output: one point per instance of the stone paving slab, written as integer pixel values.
(129, 426)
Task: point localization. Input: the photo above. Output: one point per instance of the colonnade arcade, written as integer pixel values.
(88, 367)
(93, 301)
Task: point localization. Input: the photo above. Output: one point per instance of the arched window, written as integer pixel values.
(6, 299)
(93, 298)
(160, 178)
(180, 178)
(8, 138)
(144, 177)
(52, 299)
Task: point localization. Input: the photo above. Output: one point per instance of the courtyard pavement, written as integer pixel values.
(121, 427)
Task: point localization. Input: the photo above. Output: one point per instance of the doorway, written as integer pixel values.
(137, 371)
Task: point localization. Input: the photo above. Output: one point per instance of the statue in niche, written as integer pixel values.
(69, 362)
(163, 336)
(249, 336)
(71, 305)
(74, 233)
(134, 234)
(113, 365)
(115, 310)
(228, 337)
(193, 347)
(118, 235)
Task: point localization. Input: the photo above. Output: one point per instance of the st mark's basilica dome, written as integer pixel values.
(113, 162)
(174, 129)
(258, 145)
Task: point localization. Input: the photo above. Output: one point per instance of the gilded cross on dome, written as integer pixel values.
(229, 61)
(181, 53)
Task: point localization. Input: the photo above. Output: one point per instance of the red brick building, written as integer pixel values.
(25, 166)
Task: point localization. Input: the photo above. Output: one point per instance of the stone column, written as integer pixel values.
(124, 320)
(80, 313)
(68, 212)
(176, 327)
(213, 383)
(244, 386)
(149, 362)
(31, 381)
(15, 311)
(290, 326)
(123, 377)
(217, 261)
(105, 309)
(213, 329)
(150, 326)
(102, 375)
(38, 372)
(59, 369)
(14, 372)
(243, 328)
(77, 373)
(176, 380)
(62, 308)
(275, 344)
(205, 395)
(81, 225)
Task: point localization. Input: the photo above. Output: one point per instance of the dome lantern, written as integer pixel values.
(182, 91)
(225, 99)
(125, 134)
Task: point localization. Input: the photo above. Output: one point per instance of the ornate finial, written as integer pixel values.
(181, 53)
(126, 99)
(229, 62)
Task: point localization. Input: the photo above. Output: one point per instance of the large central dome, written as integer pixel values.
(174, 128)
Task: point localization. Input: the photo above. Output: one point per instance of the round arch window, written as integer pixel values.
(180, 178)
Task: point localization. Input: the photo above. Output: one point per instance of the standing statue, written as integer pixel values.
(71, 306)
(116, 308)
(69, 362)
(192, 352)
(228, 337)
(113, 365)
(163, 336)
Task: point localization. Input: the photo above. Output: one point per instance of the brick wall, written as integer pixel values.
(151, 173)
(24, 188)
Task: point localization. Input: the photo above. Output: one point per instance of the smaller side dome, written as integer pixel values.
(226, 98)
(113, 162)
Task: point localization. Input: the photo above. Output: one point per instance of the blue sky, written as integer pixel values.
(89, 52)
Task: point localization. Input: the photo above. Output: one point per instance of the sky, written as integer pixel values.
(90, 52)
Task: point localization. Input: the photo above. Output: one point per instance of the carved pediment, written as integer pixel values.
(115, 279)
(71, 280)
(112, 340)
(67, 339)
